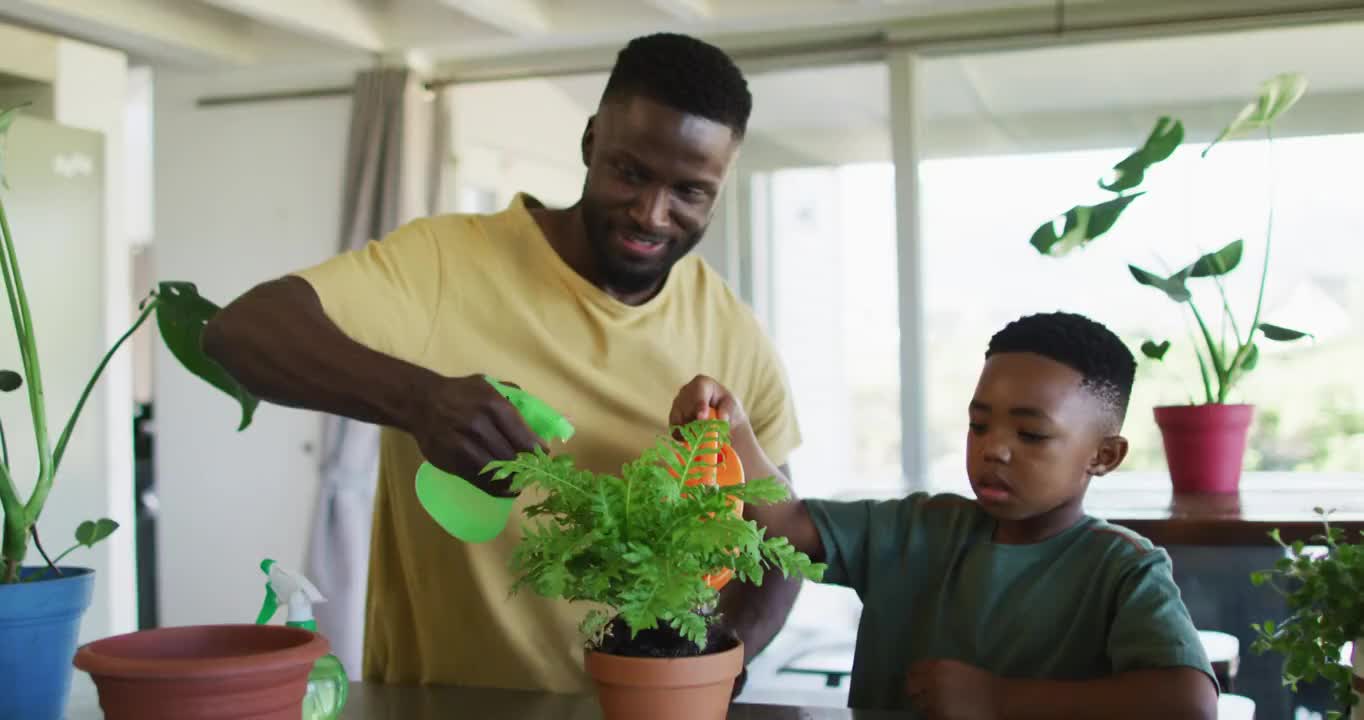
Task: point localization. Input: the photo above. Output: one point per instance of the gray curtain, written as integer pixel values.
(394, 158)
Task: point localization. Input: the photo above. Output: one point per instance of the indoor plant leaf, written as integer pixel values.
(1156, 352)
(1277, 95)
(1081, 224)
(1173, 286)
(1219, 263)
(6, 119)
(1164, 139)
(1282, 334)
(10, 380)
(90, 532)
(181, 314)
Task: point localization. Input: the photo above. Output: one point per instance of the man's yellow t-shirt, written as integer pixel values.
(465, 294)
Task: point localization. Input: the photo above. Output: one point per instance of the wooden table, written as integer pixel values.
(379, 702)
(1146, 504)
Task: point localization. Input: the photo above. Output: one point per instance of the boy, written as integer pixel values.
(1016, 604)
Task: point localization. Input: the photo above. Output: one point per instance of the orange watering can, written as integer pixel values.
(722, 468)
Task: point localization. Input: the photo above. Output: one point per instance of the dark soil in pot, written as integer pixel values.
(663, 642)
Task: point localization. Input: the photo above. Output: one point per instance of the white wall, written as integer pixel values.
(243, 194)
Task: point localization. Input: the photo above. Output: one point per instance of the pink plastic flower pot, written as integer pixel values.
(1205, 446)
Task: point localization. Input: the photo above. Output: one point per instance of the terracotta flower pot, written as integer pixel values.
(1205, 446)
(691, 688)
(218, 672)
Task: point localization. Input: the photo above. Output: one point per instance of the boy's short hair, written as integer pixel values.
(685, 74)
(1081, 344)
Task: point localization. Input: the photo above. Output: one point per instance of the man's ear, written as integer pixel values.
(589, 137)
(1112, 451)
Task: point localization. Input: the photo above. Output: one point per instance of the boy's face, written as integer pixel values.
(1036, 437)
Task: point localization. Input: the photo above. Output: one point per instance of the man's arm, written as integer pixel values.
(951, 689)
(278, 343)
(758, 612)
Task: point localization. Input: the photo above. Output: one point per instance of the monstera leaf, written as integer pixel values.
(1219, 263)
(1172, 286)
(1082, 224)
(1164, 139)
(1277, 95)
(181, 314)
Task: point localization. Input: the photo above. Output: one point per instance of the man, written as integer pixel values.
(598, 309)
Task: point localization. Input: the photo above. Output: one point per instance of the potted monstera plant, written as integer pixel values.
(1205, 440)
(650, 548)
(41, 604)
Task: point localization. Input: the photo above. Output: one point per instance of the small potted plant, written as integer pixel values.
(41, 605)
(1325, 596)
(1205, 442)
(646, 548)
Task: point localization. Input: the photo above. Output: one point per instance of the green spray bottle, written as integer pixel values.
(466, 511)
(328, 684)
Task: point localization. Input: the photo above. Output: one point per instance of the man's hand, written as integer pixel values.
(462, 424)
(705, 397)
(951, 690)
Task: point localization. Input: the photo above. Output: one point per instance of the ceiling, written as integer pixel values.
(1059, 90)
(218, 33)
(1065, 97)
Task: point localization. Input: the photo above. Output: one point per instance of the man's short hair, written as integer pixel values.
(685, 74)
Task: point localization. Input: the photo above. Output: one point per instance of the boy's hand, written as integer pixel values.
(703, 396)
(951, 690)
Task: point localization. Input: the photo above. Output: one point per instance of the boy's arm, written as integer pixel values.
(789, 519)
(948, 689)
(1173, 693)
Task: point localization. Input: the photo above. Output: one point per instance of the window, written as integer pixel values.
(982, 201)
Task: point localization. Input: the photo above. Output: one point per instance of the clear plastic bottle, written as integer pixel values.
(327, 689)
(328, 684)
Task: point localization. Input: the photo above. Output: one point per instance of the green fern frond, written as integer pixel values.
(641, 543)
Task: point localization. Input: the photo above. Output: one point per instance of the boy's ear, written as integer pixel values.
(1112, 451)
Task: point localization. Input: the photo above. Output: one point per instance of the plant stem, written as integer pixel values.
(4, 446)
(1213, 354)
(39, 544)
(90, 386)
(28, 345)
(15, 545)
(1226, 313)
(1203, 370)
(68, 551)
(1269, 234)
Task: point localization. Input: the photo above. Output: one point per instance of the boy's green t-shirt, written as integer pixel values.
(1094, 600)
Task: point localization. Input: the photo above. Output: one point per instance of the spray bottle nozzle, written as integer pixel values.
(294, 590)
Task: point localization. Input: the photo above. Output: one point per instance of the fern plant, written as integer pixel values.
(641, 543)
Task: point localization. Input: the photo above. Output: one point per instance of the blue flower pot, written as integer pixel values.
(39, 624)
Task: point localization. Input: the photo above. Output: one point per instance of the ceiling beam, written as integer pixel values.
(857, 36)
(686, 10)
(344, 22)
(514, 17)
(176, 32)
